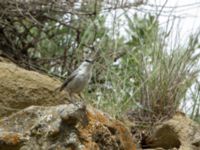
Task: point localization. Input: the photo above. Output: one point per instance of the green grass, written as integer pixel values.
(150, 80)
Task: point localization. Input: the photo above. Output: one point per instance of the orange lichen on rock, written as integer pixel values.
(34, 116)
(72, 126)
(10, 138)
(125, 136)
(103, 132)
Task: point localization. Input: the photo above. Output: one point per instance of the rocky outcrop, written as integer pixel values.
(62, 127)
(20, 88)
(35, 117)
(180, 132)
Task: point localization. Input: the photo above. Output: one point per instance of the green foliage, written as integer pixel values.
(149, 79)
(135, 73)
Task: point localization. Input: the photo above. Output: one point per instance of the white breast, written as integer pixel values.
(81, 79)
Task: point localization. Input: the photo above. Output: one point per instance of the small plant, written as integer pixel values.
(148, 79)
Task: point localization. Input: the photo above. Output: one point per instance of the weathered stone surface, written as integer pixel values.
(107, 134)
(20, 88)
(71, 126)
(51, 124)
(179, 132)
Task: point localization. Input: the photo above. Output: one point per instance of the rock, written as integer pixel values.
(180, 132)
(35, 117)
(10, 139)
(20, 88)
(63, 127)
(74, 113)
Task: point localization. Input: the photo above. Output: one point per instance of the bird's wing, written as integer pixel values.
(68, 79)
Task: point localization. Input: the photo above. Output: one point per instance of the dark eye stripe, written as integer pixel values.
(89, 61)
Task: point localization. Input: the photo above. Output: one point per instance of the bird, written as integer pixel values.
(78, 79)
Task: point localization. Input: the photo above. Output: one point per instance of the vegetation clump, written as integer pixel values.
(138, 71)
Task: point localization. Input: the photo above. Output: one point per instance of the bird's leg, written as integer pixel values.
(81, 96)
(74, 97)
(71, 97)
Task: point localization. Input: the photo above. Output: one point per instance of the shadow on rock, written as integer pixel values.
(61, 127)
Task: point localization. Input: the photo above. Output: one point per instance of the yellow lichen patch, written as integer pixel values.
(103, 131)
(10, 138)
(97, 116)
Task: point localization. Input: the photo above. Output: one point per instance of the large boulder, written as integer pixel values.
(63, 127)
(180, 132)
(36, 117)
(20, 88)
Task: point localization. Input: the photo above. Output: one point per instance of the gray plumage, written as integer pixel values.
(77, 81)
